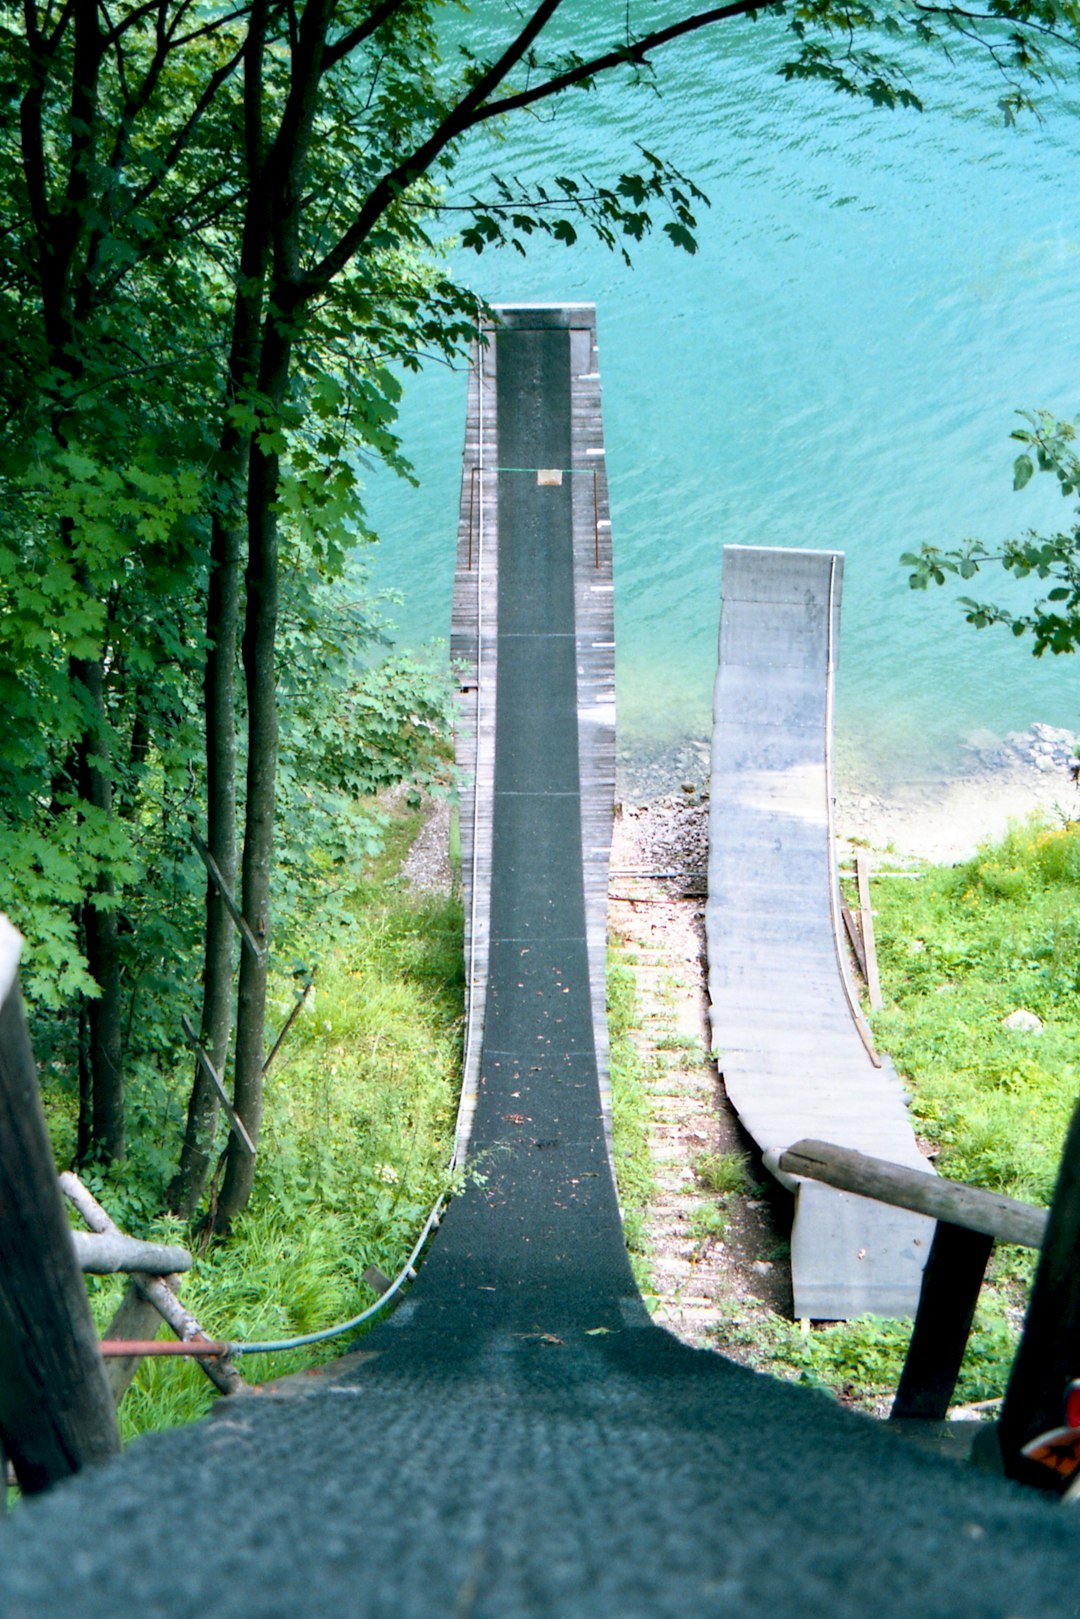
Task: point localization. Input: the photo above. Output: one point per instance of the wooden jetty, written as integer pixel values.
(474, 651)
(797, 1059)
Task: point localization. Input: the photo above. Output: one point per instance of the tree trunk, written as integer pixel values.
(222, 628)
(260, 636)
(56, 1412)
(222, 618)
(105, 1046)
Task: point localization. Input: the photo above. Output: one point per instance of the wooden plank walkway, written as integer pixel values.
(795, 1057)
(473, 648)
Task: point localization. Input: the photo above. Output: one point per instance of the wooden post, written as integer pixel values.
(135, 1317)
(56, 1411)
(866, 919)
(156, 1291)
(993, 1213)
(950, 1291)
(1049, 1354)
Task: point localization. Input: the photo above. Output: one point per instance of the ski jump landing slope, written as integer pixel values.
(794, 1053)
(519, 1441)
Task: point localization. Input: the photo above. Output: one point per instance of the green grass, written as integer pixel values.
(630, 1110)
(959, 949)
(724, 1173)
(356, 1138)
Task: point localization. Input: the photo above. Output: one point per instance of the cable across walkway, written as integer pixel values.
(519, 1439)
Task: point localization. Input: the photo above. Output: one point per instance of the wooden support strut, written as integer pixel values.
(866, 919)
(969, 1218)
(236, 1123)
(252, 943)
(950, 1291)
(153, 1290)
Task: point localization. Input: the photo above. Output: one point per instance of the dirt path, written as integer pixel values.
(717, 1245)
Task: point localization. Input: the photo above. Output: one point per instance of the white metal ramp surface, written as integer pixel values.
(784, 1029)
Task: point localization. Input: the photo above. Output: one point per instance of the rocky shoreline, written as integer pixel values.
(1007, 778)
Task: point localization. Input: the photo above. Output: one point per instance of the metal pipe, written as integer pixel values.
(115, 1348)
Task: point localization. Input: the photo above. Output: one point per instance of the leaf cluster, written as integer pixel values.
(1053, 620)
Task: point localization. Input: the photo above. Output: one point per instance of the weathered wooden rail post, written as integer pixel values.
(56, 1410)
(1049, 1354)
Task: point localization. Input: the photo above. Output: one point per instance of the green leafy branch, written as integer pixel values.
(1053, 621)
(612, 213)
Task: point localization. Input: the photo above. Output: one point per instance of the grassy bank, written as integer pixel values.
(355, 1142)
(961, 948)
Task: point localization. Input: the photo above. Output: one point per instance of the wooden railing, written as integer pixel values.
(57, 1397)
(969, 1222)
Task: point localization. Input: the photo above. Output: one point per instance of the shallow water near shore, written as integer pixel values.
(875, 296)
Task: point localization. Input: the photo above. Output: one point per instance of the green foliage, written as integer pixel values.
(613, 214)
(959, 950)
(724, 1173)
(353, 1153)
(707, 1222)
(629, 1108)
(860, 1361)
(1052, 622)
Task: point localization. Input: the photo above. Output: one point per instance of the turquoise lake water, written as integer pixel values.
(875, 295)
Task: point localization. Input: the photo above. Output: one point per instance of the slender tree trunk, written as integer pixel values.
(259, 646)
(104, 1017)
(222, 620)
(85, 1132)
(222, 630)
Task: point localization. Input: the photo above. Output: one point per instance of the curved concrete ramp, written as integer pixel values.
(794, 1061)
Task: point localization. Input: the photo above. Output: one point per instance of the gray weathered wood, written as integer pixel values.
(105, 1253)
(56, 1410)
(866, 920)
(950, 1291)
(1048, 1356)
(156, 1290)
(135, 1317)
(997, 1216)
(795, 1052)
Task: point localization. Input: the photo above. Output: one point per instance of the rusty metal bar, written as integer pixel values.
(115, 1348)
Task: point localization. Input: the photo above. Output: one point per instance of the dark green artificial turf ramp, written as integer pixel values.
(522, 1441)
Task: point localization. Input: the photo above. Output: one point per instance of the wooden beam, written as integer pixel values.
(1048, 1357)
(214, 872)
(236, 1123)
(1003, 1218)
(56, 1410)
(156, 1290)
(135, 1317)
(105, 1253)
(866, 928)
(851, 928)
(950, 1291)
